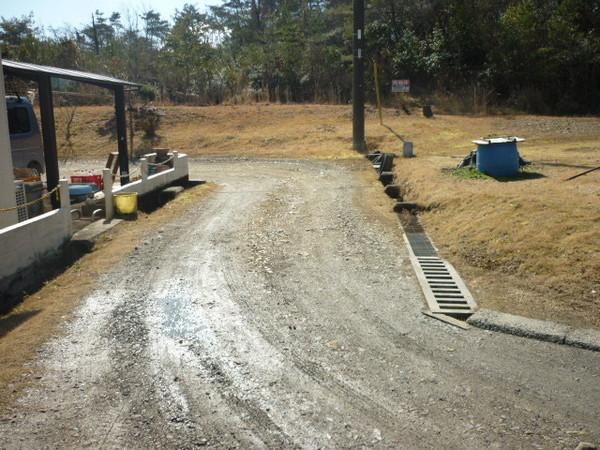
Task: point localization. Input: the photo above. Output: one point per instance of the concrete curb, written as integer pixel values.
(536, 329)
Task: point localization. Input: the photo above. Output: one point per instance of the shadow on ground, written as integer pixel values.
(521, 176)
(9, 323)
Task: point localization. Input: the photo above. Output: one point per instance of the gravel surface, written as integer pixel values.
(282, 312)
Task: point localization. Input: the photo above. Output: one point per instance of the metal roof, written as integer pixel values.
(32, 70)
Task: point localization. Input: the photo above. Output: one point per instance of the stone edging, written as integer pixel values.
(536, 329)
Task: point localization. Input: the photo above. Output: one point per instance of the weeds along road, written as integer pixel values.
(282, 312)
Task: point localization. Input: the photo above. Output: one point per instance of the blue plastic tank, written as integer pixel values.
(498, 157)
(79, 192)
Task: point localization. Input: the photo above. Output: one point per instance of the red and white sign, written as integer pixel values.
(401, 86)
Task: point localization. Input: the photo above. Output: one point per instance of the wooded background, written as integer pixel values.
(540, 56)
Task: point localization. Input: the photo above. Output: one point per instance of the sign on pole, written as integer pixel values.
(401, 86)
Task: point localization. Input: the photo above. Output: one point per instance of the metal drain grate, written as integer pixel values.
(444, 290)
(420, 244)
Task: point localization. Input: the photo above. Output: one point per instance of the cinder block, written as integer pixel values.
(405, 206)
(393, 191)
(386, 178)
(387, 162)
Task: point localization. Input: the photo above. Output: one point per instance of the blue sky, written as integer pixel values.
(58, 13)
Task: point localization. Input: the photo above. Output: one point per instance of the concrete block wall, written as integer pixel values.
(29, 242)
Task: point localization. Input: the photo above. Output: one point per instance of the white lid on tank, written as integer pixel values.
(499, 140)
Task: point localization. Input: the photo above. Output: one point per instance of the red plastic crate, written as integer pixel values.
(92, 179)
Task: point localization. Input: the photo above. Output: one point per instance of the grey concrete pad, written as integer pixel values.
(173, 189)
(169, 194)
(88, 235)
(192, 183)
(519, 326)
(584, 338)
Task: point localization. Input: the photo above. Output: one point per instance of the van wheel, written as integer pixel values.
(35, 165)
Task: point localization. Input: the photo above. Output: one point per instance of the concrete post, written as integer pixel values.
(65, 204)
(109, 209)
(7, 184)
(175, 158)
(144, 169)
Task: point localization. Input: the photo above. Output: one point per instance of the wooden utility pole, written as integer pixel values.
(358, 84)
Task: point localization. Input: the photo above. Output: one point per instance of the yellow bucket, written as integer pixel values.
(126, 202)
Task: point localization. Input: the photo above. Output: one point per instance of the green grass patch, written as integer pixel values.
(470, 173)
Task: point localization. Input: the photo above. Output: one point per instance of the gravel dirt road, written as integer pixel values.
(282, 312)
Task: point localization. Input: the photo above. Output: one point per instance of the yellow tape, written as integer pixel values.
(33, 202)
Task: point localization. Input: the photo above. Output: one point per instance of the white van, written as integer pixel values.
(25, 137)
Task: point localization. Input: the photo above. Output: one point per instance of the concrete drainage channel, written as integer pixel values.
(448, 298)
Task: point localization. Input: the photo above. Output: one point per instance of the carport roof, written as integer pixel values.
(33, 70)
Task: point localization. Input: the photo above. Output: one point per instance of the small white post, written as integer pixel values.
(144, 169)
(65, 204)
(175, 158)
(109, 210)
(63, 192)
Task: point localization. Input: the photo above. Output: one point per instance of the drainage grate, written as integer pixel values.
(420, 244)
(444, 290)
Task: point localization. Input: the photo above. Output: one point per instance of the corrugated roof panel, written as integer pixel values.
(20, 67)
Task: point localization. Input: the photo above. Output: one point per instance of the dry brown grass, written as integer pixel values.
(528, 246)
(262, 130)
(39, 317)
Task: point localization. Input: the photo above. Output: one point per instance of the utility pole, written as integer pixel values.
(358, 84)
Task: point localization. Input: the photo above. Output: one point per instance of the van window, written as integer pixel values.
(18, 120)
